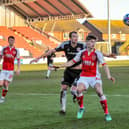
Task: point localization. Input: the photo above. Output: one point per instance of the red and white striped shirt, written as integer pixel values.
(9, 55)
(90, 62)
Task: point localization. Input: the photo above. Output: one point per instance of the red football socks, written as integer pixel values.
(104, 106)
(80, 101)
(4, 92)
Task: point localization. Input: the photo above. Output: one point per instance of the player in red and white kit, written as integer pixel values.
(8, 54)
(90, 76)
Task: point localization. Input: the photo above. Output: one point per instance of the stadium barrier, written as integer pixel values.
(63, 59)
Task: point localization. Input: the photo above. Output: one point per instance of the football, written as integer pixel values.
(126, 19)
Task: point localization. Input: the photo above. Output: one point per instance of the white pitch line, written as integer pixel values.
(47, 94)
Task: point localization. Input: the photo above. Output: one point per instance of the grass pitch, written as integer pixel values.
(33, 103)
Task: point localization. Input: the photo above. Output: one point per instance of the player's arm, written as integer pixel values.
(76, 59)
(1, 54)
(18, 66)
(77, 67)
(37, 59)
(112, 55)
(67, 64)
(18, 63)
(106, 69)
(42, 56)
(57, 49)
(0, 58)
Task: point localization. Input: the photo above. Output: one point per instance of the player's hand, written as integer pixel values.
(112, 55)
(63, 65)
(32, 61)
(55, 67)
(112, 79)
(17, 72)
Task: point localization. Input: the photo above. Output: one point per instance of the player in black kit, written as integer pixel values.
(71, 48)
(49, 62)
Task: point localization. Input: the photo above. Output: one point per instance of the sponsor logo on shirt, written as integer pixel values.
(14, 52)
(9, 56)
(93, 57)
(88, 63)
(78, 49)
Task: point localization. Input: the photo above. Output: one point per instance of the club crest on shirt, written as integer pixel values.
(83, 56)
(78, 49)
(14, 52)
(6, 51)
(93, 57)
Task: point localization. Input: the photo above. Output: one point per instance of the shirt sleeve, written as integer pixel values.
(2, 51)
(100, 58)
(84, 46)
(18, 54)
(77, 58)
(60, 47)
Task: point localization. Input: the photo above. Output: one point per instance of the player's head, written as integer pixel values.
(11, 40)
(90, 41)
(47, 48)
(73, 36)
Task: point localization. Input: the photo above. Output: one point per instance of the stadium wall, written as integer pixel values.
(63, 60)
(10, 18)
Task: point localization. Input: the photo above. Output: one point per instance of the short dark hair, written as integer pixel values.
(11, 37)
(89, 37)
(72, 32)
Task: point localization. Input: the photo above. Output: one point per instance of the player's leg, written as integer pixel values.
(63, 98)
(82, 85)
(73, 89)
(2, 77)
(1, 83)
(48, 72)
(66, 82)
(80, 89)
(8, 79)
(50, 69)
(4, 91)
(103, 100)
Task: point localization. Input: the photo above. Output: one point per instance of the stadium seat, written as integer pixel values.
(20, 42)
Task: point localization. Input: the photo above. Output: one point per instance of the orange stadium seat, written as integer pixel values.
(33, 35)
(20, 42)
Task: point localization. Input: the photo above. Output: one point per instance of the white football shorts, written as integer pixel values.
(89, 81)
(6, 75)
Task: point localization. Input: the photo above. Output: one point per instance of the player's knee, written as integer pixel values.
(99, 92)
(5, 87)
(6, 84)
(103, 97)
(80, 88)
(64, 87)
(73, 90)
(1, 83)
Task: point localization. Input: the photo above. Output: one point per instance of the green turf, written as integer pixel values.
(37, 67)
(33, 103)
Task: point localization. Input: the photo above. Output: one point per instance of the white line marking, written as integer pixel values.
(47, 94)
